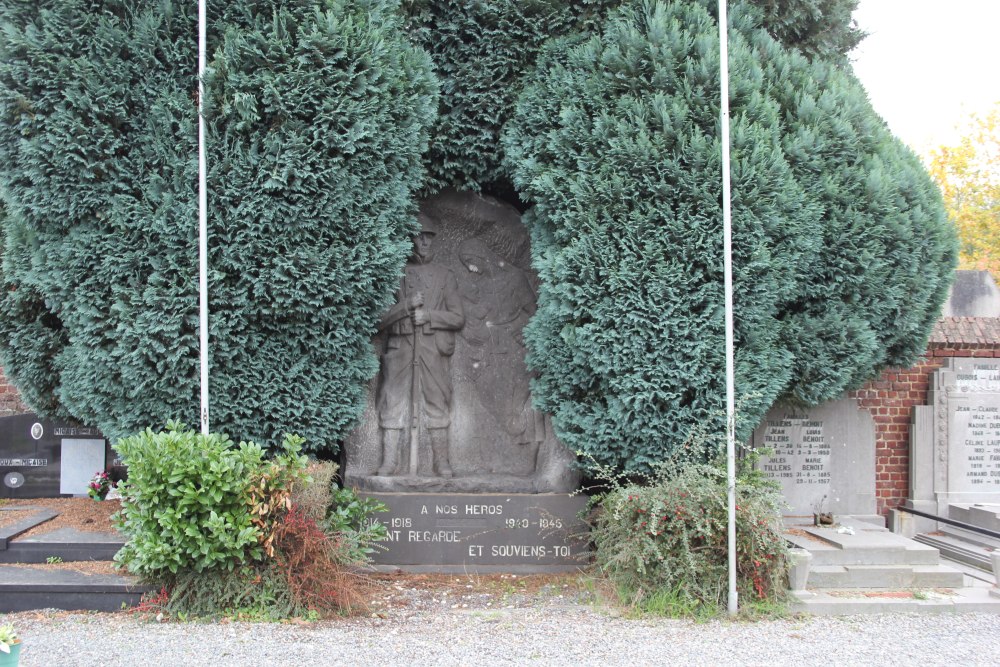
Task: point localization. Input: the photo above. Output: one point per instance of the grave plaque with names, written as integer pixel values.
(450, 532)
(955, 441)
(823, 457)
(41, 458)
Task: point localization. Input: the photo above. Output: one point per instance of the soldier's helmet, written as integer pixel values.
(427, 224)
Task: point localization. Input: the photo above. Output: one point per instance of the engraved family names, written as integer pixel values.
(800, 452)
(823, 457)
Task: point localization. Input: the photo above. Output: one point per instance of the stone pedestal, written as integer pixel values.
(799, 561)
(483, 532)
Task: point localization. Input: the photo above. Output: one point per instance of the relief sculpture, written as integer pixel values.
(416, 385)
(451, 409)
(499, 301)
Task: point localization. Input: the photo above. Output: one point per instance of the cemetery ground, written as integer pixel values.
(496, 619)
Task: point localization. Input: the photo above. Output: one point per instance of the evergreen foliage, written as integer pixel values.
(818, 28)
(481, 51)
(484, 54)
(317, 114)
(842, 254)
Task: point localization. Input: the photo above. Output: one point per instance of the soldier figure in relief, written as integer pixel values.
(416, 384)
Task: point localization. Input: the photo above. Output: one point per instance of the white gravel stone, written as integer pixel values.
(543, 634)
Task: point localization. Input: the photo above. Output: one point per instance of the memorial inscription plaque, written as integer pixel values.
(823, 457)
(955, 441)
(483, 532)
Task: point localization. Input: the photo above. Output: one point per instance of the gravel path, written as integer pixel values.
(539, 630)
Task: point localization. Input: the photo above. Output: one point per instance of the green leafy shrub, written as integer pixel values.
(215, 527)
(317, 114)
(351, 519)
(187, 502)
(668, 539)
(842, 252)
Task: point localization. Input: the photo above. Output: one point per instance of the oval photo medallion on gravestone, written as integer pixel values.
(451, 410)
(13, 480)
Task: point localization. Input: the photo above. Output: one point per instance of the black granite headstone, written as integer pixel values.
(31, 455)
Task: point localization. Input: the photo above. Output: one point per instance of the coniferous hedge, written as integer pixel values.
(481, 51)
(317, 116)
(484, 54)
(841, 249)
(818, 28)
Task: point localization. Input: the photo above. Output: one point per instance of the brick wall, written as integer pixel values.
(890, 399)
(10, 399)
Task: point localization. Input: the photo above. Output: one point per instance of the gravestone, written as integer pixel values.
(823, 457)
(42, 458)
(955, 440)
(451, 411)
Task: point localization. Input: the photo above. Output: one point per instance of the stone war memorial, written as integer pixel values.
(472, 473)
(449, 247)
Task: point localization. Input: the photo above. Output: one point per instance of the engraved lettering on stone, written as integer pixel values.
(800, 452)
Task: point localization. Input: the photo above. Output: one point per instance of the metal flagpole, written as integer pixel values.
(727, 235)
(202, 221)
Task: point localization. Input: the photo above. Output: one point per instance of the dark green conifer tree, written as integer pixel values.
(481, 51)
(317, 115)
(842, 251)
(484, 53)
(818, 28)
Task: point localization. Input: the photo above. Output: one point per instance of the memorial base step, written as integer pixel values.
(27, 588)
(958, 549)
(884, 576)
(968, 599)
(30, 585)
(857, 542)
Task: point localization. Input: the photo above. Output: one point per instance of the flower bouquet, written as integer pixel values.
(99, 486)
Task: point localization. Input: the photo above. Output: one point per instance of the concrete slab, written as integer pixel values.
(72, 536)
(26, 588)
(884, 577)
(869, 545)
(843, 603)
(955, 548)
(68, 544)
(981, 515)
(33, 516)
